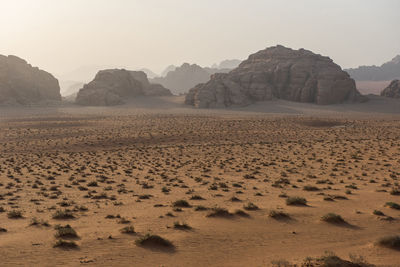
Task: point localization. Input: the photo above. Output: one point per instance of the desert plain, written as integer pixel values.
(274, 184)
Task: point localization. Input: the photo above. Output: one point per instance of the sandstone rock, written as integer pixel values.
(111, 87)
(277, 72)
(393, 90)
(181, 79)
(20, 83)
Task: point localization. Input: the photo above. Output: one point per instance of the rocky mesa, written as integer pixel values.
(20, 83)
(393, 90)
(277, 72)
(111, 87)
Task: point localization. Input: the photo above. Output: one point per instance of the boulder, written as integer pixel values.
(393, 90)
(277, 72)
(20, 83)
(111, 87)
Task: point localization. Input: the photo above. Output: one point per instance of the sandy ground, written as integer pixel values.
(126, 166)
(371, 87)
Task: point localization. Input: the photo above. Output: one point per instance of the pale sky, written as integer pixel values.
(63, 35)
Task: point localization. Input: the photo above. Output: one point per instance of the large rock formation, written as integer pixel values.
(386, 72)
(277, 72)
(393, 90)
(23, 84)
(182, 78)
(111, 87)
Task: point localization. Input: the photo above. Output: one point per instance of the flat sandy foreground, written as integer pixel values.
(182, 174)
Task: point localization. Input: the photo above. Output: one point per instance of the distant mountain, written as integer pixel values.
(168, 69)
(181, 79)
(70, 87)
(228, 64)
(150, 74)
(387, 71)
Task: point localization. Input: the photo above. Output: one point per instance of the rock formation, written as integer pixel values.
(393, 90)
(111, 87)
(386, 72)
(227, 64)
(277, 72)
(23, 84)
(182, 78)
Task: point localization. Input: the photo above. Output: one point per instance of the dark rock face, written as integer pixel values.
(393, 90)
(23, 84)
(110, 87)
(277, 72)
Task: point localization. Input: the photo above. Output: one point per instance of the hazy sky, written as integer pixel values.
(63, 35)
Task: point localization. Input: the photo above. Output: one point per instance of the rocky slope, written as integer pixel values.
(393, 90)
(277, 72)
(182, 78)
(386, 72)
(20, 83)
(111, 87)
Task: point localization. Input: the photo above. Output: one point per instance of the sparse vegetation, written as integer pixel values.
(65, 232)
(15, 214)
(150, 240)
(63, 215)
(181, 226)
(333, 218)
(65, 244)
(392, 242)
(128, 230)
(296, 201)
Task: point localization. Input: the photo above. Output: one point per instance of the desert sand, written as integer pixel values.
(182, 173)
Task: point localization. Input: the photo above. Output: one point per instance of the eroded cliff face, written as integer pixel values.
(20, 83)
(393, 90)
(277, 72)
(111, 87)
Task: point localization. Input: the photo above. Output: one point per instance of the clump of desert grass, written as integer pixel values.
(296, 201)
(251, 206)
(66, 232)
(65, 244)
(181, 226)
(150, 240)
(393, 205)
(278, 215)
(392, 241)
(15, 214)
(181, 204)
(333, 218)
(128, 230)
(63, 215)
(219, 212)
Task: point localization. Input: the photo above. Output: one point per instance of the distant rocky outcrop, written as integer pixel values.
(227, 64)
(386, 72)
(393, 90)
(111, 87)
(20, 83)
(168, 69)
(150, 74)
(277, 72)
(182, 78)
